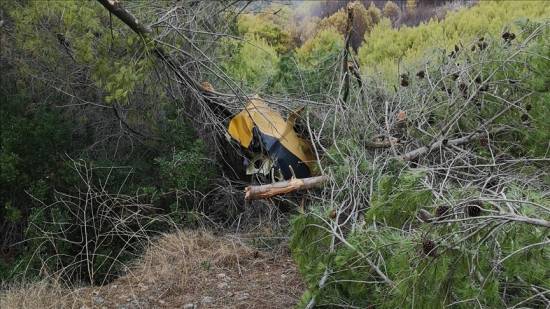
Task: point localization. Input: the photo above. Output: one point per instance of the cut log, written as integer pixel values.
(282, 187)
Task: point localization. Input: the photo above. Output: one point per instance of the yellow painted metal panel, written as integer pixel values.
(269, 122)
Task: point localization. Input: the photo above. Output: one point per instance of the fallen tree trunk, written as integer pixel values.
(282, 187)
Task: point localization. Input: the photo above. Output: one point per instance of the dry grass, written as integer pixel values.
(42, 294)
(181, 268)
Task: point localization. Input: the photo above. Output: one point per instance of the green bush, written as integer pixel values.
(317, 61)
(186, 169)
(45, 132)
(398, 198)
(467, 261)
(252, 62)
(32, 152)
(386, 46)
(455, 271)
(271, 28)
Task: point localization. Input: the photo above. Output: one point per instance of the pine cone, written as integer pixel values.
(508, 36)
(483, 141)
(474, 209)
(404, 80)
(428, 247)
(424, 215)
(441, 211)
(524, 117)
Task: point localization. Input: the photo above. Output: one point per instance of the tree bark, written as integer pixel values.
(115, 7)
(282, 187)
(345, 61)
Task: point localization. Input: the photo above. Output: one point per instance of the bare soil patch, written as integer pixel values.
(187, 270)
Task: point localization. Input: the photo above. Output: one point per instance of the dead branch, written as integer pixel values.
(210, 98)
(115, 7)
(505, 217)
(282, 187)
(411, 155)
(381, 141)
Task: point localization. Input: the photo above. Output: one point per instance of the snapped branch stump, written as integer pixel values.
(282, 187)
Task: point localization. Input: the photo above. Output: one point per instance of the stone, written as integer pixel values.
(189, 306)
(207, 300)
(98, 300)
(143, 287)
(243, 296)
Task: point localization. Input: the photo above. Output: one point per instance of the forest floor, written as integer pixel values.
(185, 270)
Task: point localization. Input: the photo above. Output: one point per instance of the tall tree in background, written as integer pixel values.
(391, 11)
(411, 6)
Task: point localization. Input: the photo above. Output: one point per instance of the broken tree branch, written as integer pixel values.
(381, 141)
(209, 97)
(115, 7)
(282, 187)
(411, 155)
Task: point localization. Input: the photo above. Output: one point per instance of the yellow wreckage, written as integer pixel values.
(262, 130)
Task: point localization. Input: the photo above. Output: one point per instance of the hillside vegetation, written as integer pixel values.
(119, 179)
(386, 46)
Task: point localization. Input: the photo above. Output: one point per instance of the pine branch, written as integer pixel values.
(116, 8)
(411, 155)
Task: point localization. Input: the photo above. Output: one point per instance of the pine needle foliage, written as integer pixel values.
(426, 232)
(398, 198)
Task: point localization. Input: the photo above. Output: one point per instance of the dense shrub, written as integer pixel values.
(42, 228)
(252, 62)
(385, 47)
(428, 233)
(316, 60)
(74, 91)
(273, 29)
(34, 141)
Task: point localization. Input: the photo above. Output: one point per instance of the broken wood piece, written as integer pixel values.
(411, 155)
(401, 117)
(116, 8)
(381, 141)
(282, 187)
